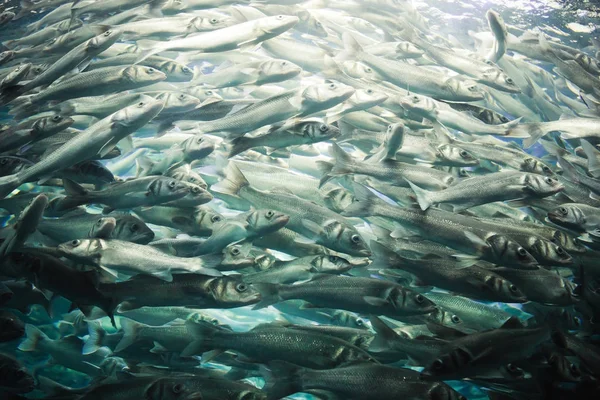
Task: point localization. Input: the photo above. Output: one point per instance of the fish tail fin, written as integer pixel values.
(269, 294)
(203, 332)
(282, 379)
(325, 168)
(238, 145)
(352, 49)
(234, 181)
(531, 132)
(143, 166)
(131, 331)
(34, 336)
(382, 253)
(149, 48)
(8, 184)
(26, 6)
(365, 205)
(593, 158)
(423, 196)
(384, 335)
(95, 339)
(75, 195)
(65, 108)
(569, 169)
(11, 93)
(208, 263)
(343, 161)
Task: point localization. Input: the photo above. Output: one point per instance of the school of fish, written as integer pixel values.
(320, 199)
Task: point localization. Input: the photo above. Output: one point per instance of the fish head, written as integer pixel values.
(238, 256)
(441, 391)
(455, 155)
(447, 318)
(198, 147)
(169, 389)
(504, 288)
(205, 219)
(263, 222)
(178, 102)
(330, 264)
(278, 70)
(176, 71)
(140, 113)
(197, 195)
(82, 249)
(464, 89)
(130, 228)
(549, 251)
(10, 165)
(167, 189)
(344, 318)
(496, 78)
(563, 368)
(367, 98)
(210, 23)
(541, 185)
(535, 166)
(508, 252)
(569, 216)
(94, 170)
(338, 199)
(358, 70)
(14, 378)
(184, 172)
(316, 130)
(407, 49)
(54, 123)
(309, 24)
(100, 226)
(447, 364)
(232, 290)
(276, 25)
(19, 72)
(327, 94)
(567, 242)
(142, 74)
(104, 40)
(407, 301)
(345, 239)
(5, 56)
(6, 16)
(421, 105)
(174, 6)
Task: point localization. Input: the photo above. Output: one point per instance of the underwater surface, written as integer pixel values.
(322, 199)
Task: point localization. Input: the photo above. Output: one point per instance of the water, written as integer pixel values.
(290, 168)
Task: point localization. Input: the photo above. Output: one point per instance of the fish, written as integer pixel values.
(16, 379)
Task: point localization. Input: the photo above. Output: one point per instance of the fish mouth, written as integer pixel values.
(193, 396)
(283, 220)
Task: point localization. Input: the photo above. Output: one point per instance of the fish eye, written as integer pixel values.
(574, 370)
(269, 214)
(464, 154)
(521, 252)
(419, 298)
(284, 63)
(369, 91)
(333, 259)
(134, 228)
(323, 128)
(177, 388)
(141, 104)
(509, 81)
(318, 23)
(235, 251)
(563, 210)
(214, 20)
(209, 92)
(181, 96)
(472, 88)
(195, 189)
(186, 70)
(546, 169)
(215, 218)
(549, 181)
(150, 70)
(416, 99)
(359, 322)
(488, 62)
(455, 319)
(107, 33)
(560, 251)
(511, 367)
(172, 184)
(368, 69)
(355, 239)
(199, 140)
(56, 118)
(280, 17)
(75, 242)
(513, 288)
(438, 364)
(4, 161)
(241, 287)
(332, 86)
(99, 222)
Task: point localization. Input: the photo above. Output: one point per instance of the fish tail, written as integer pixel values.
(34, 335)
(11, 93)
(95, 339)
(75, 196)
(384, 335)
(26, 6)
(531, 132)
(5, 294)
(423, 196)
(232, 184)
(8, 184)
(365, 205)
(208, 263)
(203, 333)
(282, 379)
(325, 168)
(143, 166)
(131, 331)
(352, 48)
(238, 145)
(593, 158)
(269, 294)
